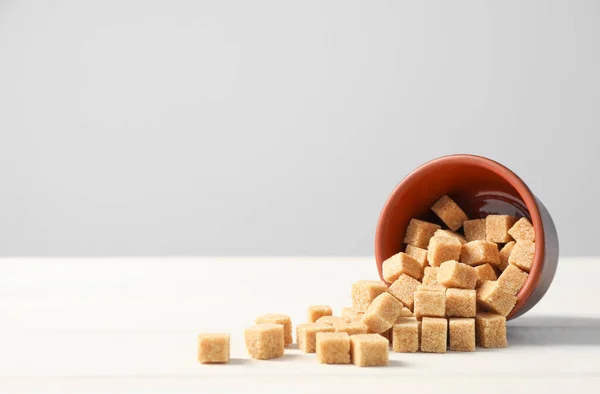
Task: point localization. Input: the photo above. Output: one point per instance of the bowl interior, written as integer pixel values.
(478, 190)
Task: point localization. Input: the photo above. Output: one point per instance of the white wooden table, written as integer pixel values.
(130, 324)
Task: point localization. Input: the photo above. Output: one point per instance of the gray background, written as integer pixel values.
(279, 128)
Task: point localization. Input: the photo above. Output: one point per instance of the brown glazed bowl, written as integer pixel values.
(480, 186)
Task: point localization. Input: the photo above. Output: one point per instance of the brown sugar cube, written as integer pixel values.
(497, 226)
(213, 348)
(490, 330)
(333, 320)
(495, 298)
(418, 254)
(443, 249)
(450, 213)
(284, 320)
(352, 328)
(357, 318)
(369, 350)
(434, 334)
(364, 292)
(461, 302)
(485, 272)
(375, 323)
(437, 288)
(512, 279)
(405, 312)
(264, 341)
(352, 315)
(317, 311)
(405, 336)
(403, 289)
(399, 264)
(333, 348)
(480, 252)
(522, 255)
(450, 234)
(306, 335)
(382, 313)
(474, 230)
(522, 230)
(504, 254)
(418, 233)
(461, 334)
(387, 306)
(347, 311)
(405, 319)
(430, 304)
(430, 276)
(455, 274)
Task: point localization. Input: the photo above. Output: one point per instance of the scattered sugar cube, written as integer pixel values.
(434, 334)
(474, 230)
(364, 292)
(430, 303)
(403, 289)
(461, 334)
(382, 313)
(405, 312)
(522, 255)
(333, 320)
(399, 264)
(333, 348)
(418, 233)
(430, 276)
(348, 312)
(264, 341)
(443, 249)
(461, 302)
(512, 279)
(436, 288)
(522, 230)
(485, 272)
(356, 318)
(450, 213)
(497, 226)
(490, 330)
(418, 254)
(455, 274)
(213, 348)
(480, 252)
(352, 315)
(369, 350)
(496, 298)
(405, 335)
(352, 328)
(284, 320)
(504, 254)
(306, 335)
(317, 311)
(405, 319)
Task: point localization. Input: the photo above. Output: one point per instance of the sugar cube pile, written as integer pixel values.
(450, 289)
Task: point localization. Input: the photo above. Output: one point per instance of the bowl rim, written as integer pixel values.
(507, 175)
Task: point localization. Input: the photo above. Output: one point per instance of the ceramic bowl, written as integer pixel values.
(480, 186)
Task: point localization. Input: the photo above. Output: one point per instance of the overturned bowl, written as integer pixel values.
(480, 186)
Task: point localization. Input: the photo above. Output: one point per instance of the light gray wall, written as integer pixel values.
(258, 127)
